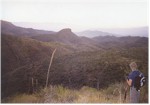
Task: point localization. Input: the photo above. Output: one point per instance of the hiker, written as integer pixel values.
(131, 80)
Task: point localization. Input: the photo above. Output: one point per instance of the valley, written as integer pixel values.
(96, 62)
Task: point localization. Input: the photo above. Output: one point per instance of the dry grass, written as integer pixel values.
(58, 94)
(108, 95)
(22, 98)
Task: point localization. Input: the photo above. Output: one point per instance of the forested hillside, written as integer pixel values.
(79, 61)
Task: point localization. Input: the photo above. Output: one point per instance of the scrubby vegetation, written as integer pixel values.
(58, 94)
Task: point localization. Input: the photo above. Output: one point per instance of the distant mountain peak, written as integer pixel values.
(66, 33)
(66, 30)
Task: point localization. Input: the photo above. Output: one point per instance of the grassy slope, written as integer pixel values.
(58, 94)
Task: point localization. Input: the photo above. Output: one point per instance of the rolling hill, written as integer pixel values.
(119, 32)
(135, 31)
(91, 34)
(122, 42)
(22, 58)
(9, 28)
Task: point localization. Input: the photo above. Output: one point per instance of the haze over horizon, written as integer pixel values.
(119, 32)
(78, 15)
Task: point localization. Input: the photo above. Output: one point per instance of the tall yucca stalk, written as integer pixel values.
(49, 67)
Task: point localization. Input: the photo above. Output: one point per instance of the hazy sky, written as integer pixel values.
(78, 14)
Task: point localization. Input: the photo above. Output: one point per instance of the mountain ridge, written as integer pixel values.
(9, 28)
(132, 31)
(94, 33)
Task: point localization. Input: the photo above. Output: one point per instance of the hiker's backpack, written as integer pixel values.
(140, 81)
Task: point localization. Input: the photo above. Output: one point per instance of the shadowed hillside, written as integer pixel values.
(122, 42)
(24, 57)
(9, 28)
(67, 37)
